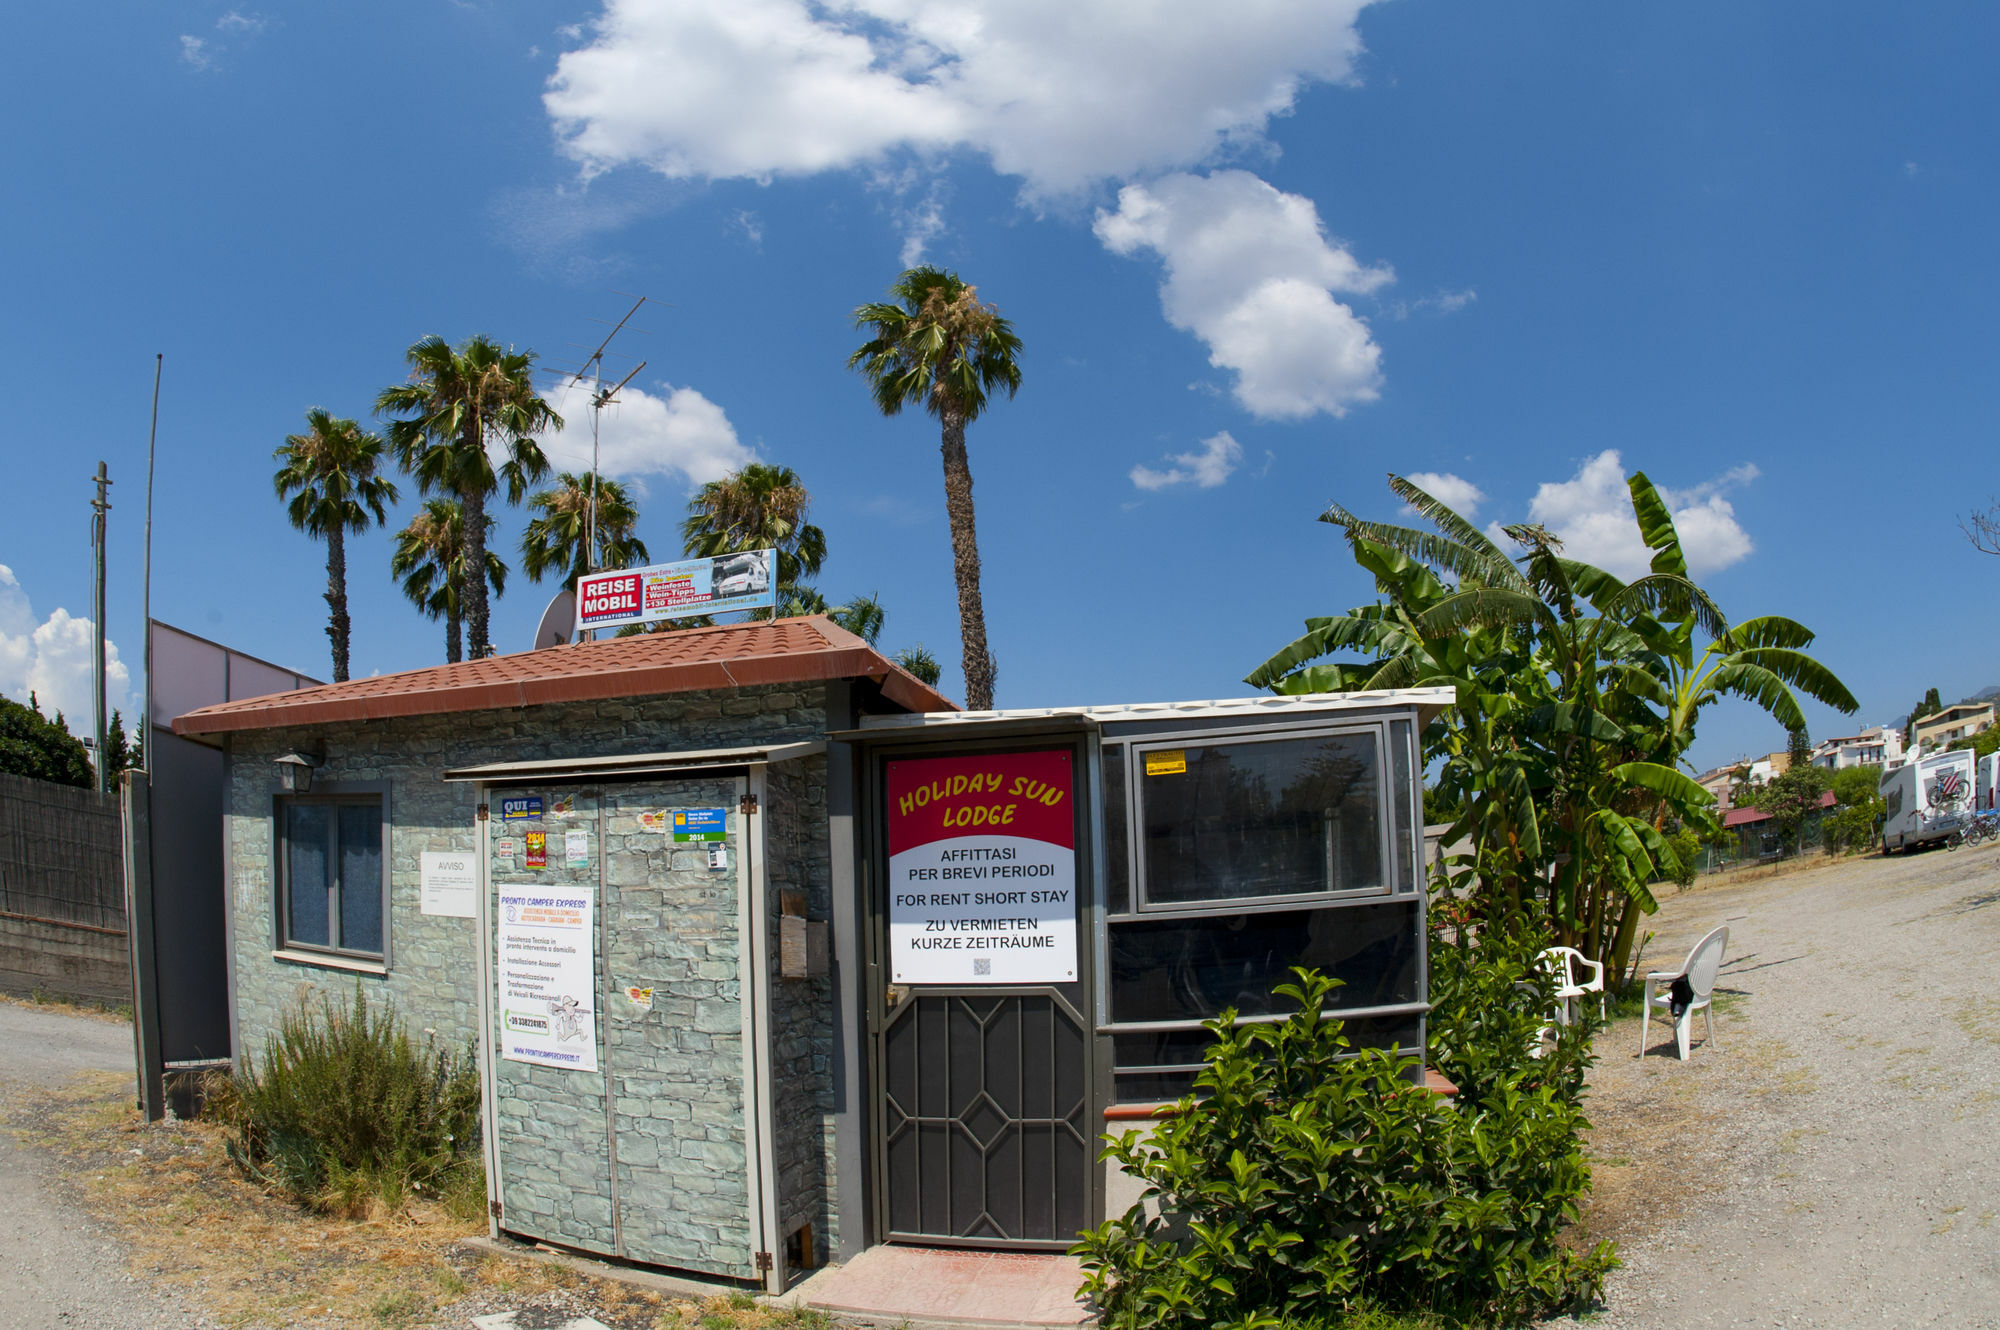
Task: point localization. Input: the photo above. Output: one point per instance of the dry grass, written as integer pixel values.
(252, 1259)
(111, 1015)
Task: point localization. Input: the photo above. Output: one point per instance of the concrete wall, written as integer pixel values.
(73, 962)
(802, 1010)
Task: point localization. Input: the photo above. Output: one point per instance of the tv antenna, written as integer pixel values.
(601, 397)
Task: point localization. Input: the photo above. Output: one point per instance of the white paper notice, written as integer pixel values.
(449, 884)
(547, 945)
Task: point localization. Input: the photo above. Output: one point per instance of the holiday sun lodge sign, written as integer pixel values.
(982, 869)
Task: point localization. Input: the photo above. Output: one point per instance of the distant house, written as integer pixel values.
(1752, 771)
(1961, 721)
(1877, 746)
(1755, 836)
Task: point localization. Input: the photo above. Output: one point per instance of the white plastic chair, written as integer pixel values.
(1567, 964)
(1701, 967)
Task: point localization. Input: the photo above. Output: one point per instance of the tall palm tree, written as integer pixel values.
(759, 507)
(558, 538)
(430, 560)
(459, 405)
(936, 346)
(332, 475)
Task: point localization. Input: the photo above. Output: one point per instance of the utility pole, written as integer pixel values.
(100, 506)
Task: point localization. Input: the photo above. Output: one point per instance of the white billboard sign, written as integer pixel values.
(727, 582)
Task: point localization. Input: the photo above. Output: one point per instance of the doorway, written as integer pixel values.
(983, 1104)
(621, 1113)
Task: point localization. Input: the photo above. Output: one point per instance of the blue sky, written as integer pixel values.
(1260, 255)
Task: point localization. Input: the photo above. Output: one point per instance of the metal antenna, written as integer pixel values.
(593, 368)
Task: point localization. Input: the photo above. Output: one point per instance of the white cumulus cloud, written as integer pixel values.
(1058, 93)
(1252, 273)
(676, 433)
(51, 658)
(1455, 492)
(1591, 513)
(1219, 457)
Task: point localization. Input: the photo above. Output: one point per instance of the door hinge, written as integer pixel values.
(482, 812)
(493, 1208)
(763, 1262)
(746, 806)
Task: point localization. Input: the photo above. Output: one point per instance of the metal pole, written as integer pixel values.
(146, 595)
(100, 506)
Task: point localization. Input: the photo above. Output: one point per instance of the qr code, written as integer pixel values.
(982, 965)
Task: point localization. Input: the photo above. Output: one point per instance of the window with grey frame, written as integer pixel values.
(331, 883)
(1234, 859)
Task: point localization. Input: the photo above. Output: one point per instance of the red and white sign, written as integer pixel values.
(982, 869)
(608, 598)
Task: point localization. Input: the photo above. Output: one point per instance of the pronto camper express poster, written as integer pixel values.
(982, 869)
(727, 582)
(547, 961)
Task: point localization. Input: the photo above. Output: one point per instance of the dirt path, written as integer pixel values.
(57, 1270)
(1834, 1162)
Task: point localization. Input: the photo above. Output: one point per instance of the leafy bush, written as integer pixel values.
(347, 1112)
(1315, 1180)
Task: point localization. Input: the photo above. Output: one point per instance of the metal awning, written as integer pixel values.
(976, 725)
(1427, 702)
(638, 764)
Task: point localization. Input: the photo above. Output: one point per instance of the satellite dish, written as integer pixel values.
(558, 622)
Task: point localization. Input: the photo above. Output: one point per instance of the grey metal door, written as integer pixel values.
(642, 1158)
(985, 1118)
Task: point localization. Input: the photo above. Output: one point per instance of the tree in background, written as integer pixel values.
(458, 407)
(1859, 808)
(332, 475)
(1798, 747)
(1791, 798)
(760, 507)
(918, 660)
(123, 752)
(558, 537)
(430, 560)
(1929, 706)
(38, 748)
(935, 345)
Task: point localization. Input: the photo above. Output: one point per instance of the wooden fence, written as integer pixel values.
(61, 854)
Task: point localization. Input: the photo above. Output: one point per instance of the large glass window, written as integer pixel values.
(1195, 968)
(1250, 819)
(330, 892)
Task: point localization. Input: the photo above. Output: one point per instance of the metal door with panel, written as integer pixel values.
(643, 1157)
(983, 1076)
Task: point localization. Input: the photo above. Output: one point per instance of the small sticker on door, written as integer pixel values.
(641, 999)
(718, 856)
(538, 848)
(653, 819)
(576, 849)
(1167, 762)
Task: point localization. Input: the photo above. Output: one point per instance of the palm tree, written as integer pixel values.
(760, 507)
(458, 404)
(559, 538)
(936, 346)
(430, 558)
(331, 473)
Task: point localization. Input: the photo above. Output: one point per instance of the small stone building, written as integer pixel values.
(768, 954)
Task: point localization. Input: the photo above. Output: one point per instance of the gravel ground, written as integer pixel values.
(1833, 1162)
(59, 1271)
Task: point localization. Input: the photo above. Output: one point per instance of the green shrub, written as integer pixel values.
(346, 1112)
(1313, 1181)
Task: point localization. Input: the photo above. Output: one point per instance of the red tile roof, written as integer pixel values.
(1738, 817)
(779, 651)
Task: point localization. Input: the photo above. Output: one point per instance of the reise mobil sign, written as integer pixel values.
(719, 585)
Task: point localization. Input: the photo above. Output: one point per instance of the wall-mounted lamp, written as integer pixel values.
(295, 772)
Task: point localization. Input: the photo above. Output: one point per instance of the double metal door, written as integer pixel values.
(642, 1156)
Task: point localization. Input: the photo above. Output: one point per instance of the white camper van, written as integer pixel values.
(1986, 789)
(1928, 799)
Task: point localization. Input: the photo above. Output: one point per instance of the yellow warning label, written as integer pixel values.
(1167, 762)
